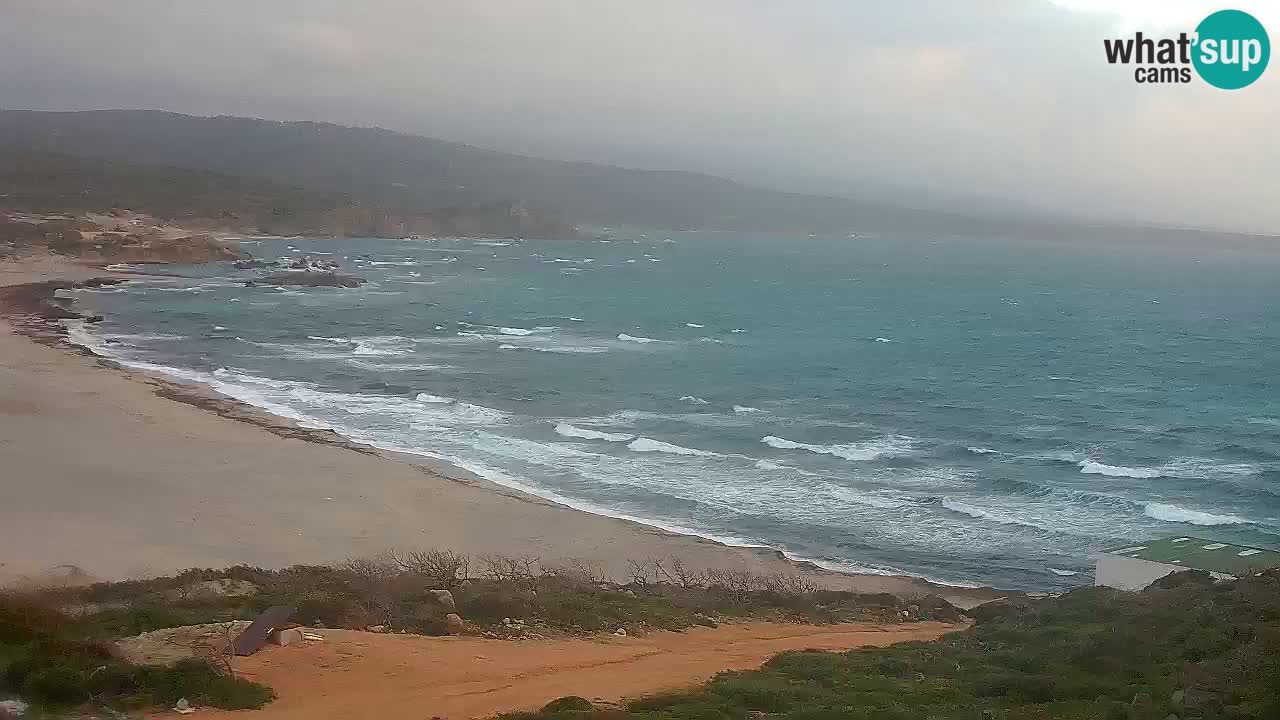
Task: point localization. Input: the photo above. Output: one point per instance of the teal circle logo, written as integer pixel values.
(1232, 49)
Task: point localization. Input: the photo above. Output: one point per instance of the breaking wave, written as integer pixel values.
(1176, 514)
(1089, 467)
(889, 446)
(644, 444)
(568, 430)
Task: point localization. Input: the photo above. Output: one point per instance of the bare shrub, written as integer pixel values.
(443, 569)
(738, 583)
(787, 584)
(521, 569)
(577, 571)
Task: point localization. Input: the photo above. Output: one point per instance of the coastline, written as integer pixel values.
(118, 473)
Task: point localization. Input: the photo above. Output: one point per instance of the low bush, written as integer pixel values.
(44, 659)
(1092, 653)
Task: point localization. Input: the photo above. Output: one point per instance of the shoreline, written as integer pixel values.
(29, 277)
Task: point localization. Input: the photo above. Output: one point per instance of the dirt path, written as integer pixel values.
(355, 674)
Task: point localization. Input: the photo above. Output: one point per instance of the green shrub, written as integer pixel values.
(1091, 654)
(568, 703)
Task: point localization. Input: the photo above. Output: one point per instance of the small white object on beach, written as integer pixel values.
(621, 632)
(183, 707)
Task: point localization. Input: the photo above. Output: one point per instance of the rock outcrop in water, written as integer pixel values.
(306, 271)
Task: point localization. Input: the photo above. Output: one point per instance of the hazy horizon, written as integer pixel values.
(1008, 107)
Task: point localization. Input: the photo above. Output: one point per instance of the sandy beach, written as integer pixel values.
(108, 473)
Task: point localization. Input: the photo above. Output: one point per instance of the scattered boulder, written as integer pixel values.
(183, 707)
(621, 632)
(454, 623)
(284, 638)
(444, 597)
(314, 264)
(377, 628)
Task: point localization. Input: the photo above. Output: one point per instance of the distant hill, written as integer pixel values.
(389, 183)
(46, 182)
(400, 172)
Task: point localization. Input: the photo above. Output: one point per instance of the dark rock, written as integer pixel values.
(101, 282)
(94, 319)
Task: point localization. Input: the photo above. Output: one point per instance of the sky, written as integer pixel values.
(998, 104)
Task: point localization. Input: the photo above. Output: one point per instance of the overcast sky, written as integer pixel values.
(1004, 101)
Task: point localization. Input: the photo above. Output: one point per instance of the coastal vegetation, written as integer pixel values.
(1187, 647)
(58, 645)
(50, 658)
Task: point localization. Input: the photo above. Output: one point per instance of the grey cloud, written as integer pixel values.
(1006, 100)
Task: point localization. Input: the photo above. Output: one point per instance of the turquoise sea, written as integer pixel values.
(971, 410)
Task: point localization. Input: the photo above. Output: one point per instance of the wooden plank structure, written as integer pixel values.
(255, 636)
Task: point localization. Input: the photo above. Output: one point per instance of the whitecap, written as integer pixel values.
(391, 345)
(694, 399)
(982, 513)
(891, 445)
(737, 330)
(694, 325)
(746, 409)
(634, 338)
(982, 451)
(1089, 467)
(644, 444)
(568, 430)
(1177, 514)
(335, 340)
(883, 340)
(433, 399)
(1063, 573)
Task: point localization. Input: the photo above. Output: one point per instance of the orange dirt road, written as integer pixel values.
(354, 674)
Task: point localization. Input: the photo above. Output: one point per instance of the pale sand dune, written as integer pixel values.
(353, 674)
(99, 472)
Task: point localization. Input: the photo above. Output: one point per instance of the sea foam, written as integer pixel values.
(644, 444)
(568, 430)
(887, 446)
(1089, 467)
(1176, 514)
